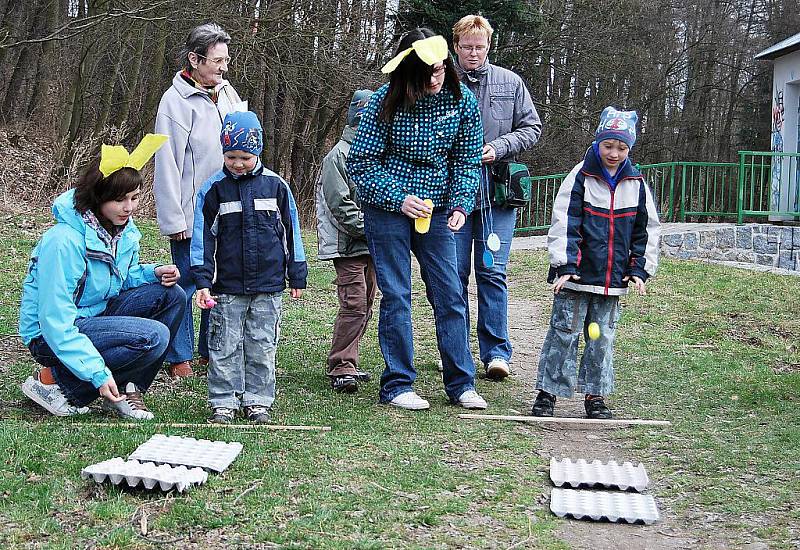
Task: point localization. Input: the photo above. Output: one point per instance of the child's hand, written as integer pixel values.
(295, 292)
(168, 274)
(202, 297)
(638, 284)
(559, 284)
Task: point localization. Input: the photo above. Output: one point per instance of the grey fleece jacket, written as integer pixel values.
(511, 124)
(340, 222)
(193, 153)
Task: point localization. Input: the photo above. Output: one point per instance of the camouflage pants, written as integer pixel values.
(572, 313)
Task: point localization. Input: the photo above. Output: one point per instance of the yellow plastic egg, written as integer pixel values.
(594, 331)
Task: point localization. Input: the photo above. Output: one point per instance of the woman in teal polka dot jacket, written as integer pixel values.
(420, 138)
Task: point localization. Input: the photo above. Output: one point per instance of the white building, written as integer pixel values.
(785, 55)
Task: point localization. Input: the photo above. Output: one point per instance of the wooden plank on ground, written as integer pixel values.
(276, 427)
(568, 420)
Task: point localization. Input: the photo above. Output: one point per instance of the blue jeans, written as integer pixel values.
(391, 239)
(182, 348)
(571, 316)
(243, 338)
(132, 336)
(493, 340)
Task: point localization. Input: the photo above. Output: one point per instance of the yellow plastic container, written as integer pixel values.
(422, 225)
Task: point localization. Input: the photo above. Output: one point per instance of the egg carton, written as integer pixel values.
(151, 476)
(609, 475)
(614, 506)
(214, 456)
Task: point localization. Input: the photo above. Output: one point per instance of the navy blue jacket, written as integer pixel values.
(603, 233)
(246, 238)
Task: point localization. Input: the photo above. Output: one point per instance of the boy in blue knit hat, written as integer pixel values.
(246, 247)
(603, 237)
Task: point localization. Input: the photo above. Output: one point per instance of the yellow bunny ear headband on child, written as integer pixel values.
(114, 157)
(431, 50)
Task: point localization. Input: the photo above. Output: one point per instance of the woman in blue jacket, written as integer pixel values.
(94, 317)
(419, 139)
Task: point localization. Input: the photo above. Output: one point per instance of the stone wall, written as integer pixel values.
(761, 244)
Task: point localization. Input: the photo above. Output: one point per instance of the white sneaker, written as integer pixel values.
(131, 406)
(471, 400)
(50, 397)
(440, 365)
(497, 369)
(411, 401)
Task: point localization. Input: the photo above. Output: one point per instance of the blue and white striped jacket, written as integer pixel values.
(602, 233)
(246, 237)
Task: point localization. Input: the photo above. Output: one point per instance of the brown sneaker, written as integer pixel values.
(202, 362)
(181, 370)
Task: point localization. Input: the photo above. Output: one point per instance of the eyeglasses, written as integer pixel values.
(476, 49)
(216, 60)
(438, 72)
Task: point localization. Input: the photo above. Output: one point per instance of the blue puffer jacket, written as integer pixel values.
(72, 275)
(246, 236)
(603, 232)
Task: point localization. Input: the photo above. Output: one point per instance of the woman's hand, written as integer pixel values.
(295, 292)
(202, 296)
(168, 274)
(456, 220)
(179, 236)
(109, 391)
(638, 284)
(559, 284)
(414, 208)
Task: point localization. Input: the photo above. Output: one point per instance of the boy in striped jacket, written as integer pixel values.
(603, 237)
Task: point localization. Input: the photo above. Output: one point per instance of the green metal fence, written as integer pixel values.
(691, 191)
(769, 185)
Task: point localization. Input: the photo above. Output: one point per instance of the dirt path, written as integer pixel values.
(528, 326)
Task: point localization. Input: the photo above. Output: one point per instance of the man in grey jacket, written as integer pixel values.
(511, 125)
(340, 228)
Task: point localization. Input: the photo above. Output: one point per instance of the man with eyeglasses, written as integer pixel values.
(511, 125)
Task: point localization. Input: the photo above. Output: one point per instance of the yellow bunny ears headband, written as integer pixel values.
(431, 50)
(115, 157)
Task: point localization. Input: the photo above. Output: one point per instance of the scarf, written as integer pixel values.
(210, 90)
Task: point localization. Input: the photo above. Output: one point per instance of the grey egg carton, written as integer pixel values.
(614, 506)
(151, 476)
(609, 475)
(215, 456)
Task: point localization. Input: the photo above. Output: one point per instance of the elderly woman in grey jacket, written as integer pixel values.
(191, 113)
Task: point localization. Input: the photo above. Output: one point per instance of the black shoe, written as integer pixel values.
(347, 383)
(362, 376)
(596, 408)
(544, 404)
(257, 414)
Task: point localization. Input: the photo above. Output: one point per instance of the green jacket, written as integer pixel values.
(340, 222)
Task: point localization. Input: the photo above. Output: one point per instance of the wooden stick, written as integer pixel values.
(179, 425)
(564, 420)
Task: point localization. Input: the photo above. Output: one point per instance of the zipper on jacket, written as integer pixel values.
(610, 241)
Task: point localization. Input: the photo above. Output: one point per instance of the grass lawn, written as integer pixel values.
(712, 349)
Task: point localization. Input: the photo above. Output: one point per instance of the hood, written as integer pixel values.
(185, 89)
(64, 211)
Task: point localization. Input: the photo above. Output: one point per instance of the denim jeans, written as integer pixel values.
(355, 287)
(182, 348)
(493, 340)
(242, 340)
(391, 239)
(132, 336)
(571, 316)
